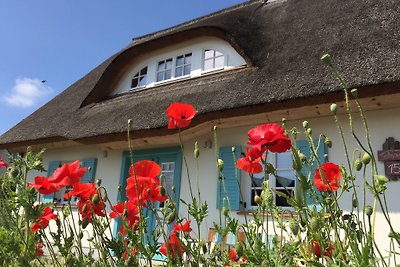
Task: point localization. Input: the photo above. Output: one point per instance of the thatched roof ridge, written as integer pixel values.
(282, 40)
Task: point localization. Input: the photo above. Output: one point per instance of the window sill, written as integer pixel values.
(285, 215)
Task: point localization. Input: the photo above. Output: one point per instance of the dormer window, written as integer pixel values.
(183, 65)
(164, 70)
(139, 80)
(213, 59)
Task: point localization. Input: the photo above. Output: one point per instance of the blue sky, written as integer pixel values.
(60, 41)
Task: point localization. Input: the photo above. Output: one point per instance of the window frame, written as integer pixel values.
(174, 67)
(224, 56)
(138, 75)
(273, 183)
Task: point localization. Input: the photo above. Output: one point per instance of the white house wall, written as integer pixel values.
(382, 124)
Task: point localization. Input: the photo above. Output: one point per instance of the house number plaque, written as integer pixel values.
(390, 155)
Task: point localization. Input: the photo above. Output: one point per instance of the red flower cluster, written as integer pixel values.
(3, 164)
(266, 137)
(39, 249)
(142, 186)
(173, 246)
(180, 115)
(43, 221)
(330, 181)
(90, 202)
(316, 249)
(66, 175)
(235, 258)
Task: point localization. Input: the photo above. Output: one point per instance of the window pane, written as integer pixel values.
(179, 61)
(219, 62)
(160, 76)
(179, 72)
(208, 64)
(161, 65)
(217, 53)
(142, 81)
(134, 82)
(281, 201)
(285, 179)
(143, 71)
(208, 54)
(284, 160)
(188, 58)
(168, 63)
(187, 70)
(257, 180)
(167, 75)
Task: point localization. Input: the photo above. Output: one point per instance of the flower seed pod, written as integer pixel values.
(354, 92)
(355, 203)
(220, 165)
(305, 124)
(84, 208)
(225, 212)
(257, 199)
(326, 58)
(368, 210)
(366, 158)
(358, 164)
(233, 149)
(328, 142)
(382, 179)
(85, 222)
(95, 199)
(196, 150)
(294, 226)
(333, 108)
(302, 157)
(162, 191)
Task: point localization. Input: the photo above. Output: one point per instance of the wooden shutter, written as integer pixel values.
(90, 174)
(231, 177)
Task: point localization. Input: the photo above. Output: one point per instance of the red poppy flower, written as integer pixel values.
(129, 213)
(234, 257)
(39, 250)
(82, 190)
(43, 221)
(67, 174)
(87, 209)
(269, 137)
(172, 247)
(3, 164)
(180, 115)
(251, 163)
(182, 228)
(43, 186)
(330, 181)
(316, 249)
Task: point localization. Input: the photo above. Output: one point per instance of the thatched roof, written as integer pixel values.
(282, 41)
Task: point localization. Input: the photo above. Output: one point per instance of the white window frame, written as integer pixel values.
(203, 60)
(139, 75)
(272, 158)
(174, 67)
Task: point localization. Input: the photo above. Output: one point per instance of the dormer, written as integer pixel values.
(186, 60)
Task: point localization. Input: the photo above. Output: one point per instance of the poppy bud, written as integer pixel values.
(13, 172)
(220, 165)
(358, 164)
(354, 92)
(305, 124)
(302, 157)
(98, 182)
(333, 108)
(381, 179)
(368, 210)
(309, 131)
(215, 128)
(326, 58)
(233, 149)
(196, 150)
(171, 218)
(355, 203)
(125, 213)
(95, 199)
(84, 208)
(225, 212)
(294, 226)
(85, 222)
(162, 191)
(366, 158)
(257, 199)
(283, 120)
(328, 142)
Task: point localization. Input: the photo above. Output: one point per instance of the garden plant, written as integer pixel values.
(33, 233)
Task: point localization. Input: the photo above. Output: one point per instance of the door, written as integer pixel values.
(170, 161)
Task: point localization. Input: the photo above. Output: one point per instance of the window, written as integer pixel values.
(183, 65)
(213, 59)
(164, 70)
(167, 178)
(283, 181)
(139, 80)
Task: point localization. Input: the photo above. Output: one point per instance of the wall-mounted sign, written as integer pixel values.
(390, 155)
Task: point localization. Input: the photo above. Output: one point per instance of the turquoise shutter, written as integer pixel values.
(90, 164)
(231, 176)
(53, 165)
(304, 148)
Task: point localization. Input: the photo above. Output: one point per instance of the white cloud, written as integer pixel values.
(27, 92)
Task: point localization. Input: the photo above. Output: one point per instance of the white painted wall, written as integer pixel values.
(382, 124)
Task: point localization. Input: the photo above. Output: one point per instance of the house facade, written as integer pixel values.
(251, 64)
